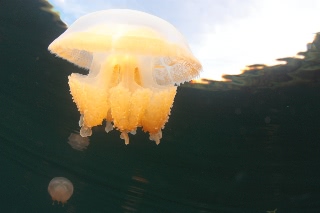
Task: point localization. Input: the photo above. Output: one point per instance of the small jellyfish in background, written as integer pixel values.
(60, 189)
(267, 119)
(135, 62)
(78, 142)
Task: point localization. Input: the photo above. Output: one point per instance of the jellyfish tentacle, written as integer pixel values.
(156, 137)
(124, 135)
(109, 126)
(85, 131)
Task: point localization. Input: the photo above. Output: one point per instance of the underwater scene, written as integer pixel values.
(249, 144)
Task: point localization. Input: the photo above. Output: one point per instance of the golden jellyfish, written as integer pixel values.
(60, 189)
(135, 62)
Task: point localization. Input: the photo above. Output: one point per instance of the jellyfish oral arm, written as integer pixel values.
(118, 94)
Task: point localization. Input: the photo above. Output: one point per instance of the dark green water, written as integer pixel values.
(222, 151)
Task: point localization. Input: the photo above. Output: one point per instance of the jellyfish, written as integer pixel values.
(60, 189)
(78, 142)
(135, 62)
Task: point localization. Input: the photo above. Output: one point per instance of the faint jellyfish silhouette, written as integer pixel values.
(135, 194)
(274, 211)
(135, 62)
(267, 120)
(60, 189)
(78, 142)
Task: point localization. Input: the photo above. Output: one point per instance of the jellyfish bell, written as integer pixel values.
(135, 62)
(60, 189)
(77, 142)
